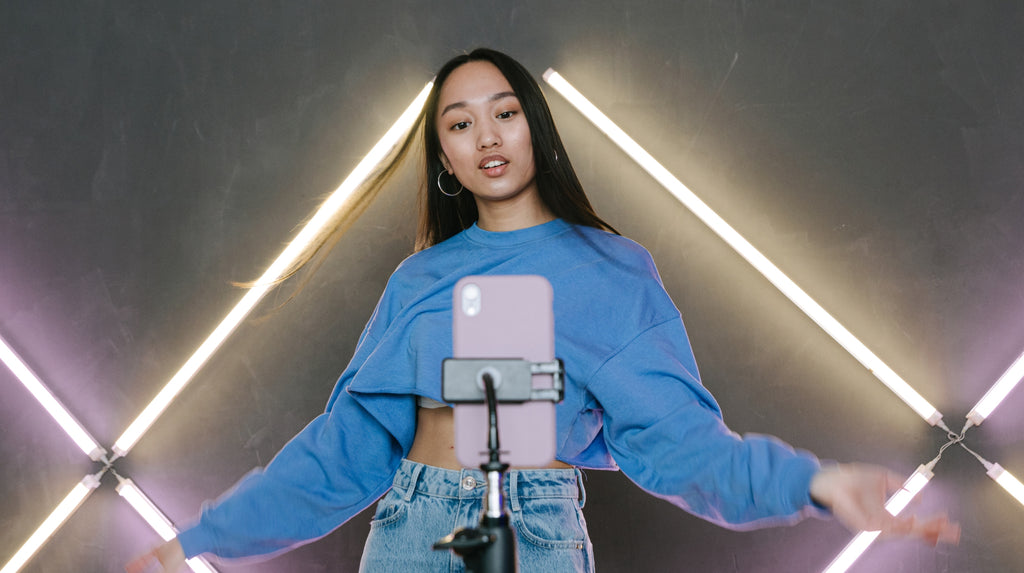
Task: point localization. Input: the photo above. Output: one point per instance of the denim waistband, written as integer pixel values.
(416, 478)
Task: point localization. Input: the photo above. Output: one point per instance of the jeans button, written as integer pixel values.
(468, 483)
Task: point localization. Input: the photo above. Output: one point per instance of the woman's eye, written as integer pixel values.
(506, 114)
(460, 126)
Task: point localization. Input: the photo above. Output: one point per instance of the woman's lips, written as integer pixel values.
(494, 166)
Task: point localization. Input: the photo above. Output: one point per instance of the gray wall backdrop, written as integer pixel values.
(152, 152)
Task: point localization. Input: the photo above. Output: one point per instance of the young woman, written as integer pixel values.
(503, 198)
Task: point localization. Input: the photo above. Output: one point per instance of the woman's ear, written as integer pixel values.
(444, 162)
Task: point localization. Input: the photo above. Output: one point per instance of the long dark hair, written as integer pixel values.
(442, 217)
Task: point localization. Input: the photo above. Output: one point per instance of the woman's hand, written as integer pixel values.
(856, 495)
(166, 558)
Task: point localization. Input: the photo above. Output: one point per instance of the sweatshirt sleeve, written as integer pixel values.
(333, 469)
(666, 433)
(338, 465)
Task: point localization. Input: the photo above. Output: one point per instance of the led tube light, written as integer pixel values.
(895, 504)
(1011, 484)
(997, 393)
(42, 394)
(127, 489)
(852, 552)
(334, 204)
(51, 524)
(794, 293)
(913, 486)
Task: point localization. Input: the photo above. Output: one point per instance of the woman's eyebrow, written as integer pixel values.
(462, 104)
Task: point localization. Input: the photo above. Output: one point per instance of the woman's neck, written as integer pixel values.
(512, 215)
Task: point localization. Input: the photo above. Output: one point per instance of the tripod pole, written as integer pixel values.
(491, 547)
(500, 555)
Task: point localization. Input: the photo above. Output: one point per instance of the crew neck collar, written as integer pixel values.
(517, 237)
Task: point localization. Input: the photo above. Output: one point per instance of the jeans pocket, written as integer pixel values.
(390, 509)
(553, 523)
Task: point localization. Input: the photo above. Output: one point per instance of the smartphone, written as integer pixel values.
(501, 317)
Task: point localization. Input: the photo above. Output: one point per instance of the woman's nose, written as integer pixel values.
(488, 137)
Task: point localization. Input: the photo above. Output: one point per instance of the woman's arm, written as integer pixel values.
(333, 469)
(856, 495)
(169, 557)
(666, 433)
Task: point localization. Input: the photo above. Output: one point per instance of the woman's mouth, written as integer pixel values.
(493, 167)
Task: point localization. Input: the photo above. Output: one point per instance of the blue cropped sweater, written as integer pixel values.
(633, 399)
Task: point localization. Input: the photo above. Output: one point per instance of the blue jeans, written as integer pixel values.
(427, 503)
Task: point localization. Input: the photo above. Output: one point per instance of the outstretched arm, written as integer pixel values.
(856, 495)
(169, 558)
(666, 432)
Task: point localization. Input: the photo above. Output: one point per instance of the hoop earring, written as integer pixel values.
(443, 192)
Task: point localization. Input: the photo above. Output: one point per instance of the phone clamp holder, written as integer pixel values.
(463, 380)
(491, 547)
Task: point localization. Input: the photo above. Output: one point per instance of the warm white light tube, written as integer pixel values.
(334, 204)
(156, 519)
(913, 486)
(997, 393)
(747, 251)
(50, 403)
(1011, 484)
(897, 503)
(852, 552)
(53, 522)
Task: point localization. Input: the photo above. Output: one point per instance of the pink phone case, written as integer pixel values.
(507, 316)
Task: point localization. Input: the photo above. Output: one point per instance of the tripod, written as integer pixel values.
(490, 547)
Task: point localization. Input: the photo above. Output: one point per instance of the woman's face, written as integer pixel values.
(485, 139)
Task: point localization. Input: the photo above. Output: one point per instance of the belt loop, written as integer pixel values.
(414, 477)
(583, 491)
(513, 490)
